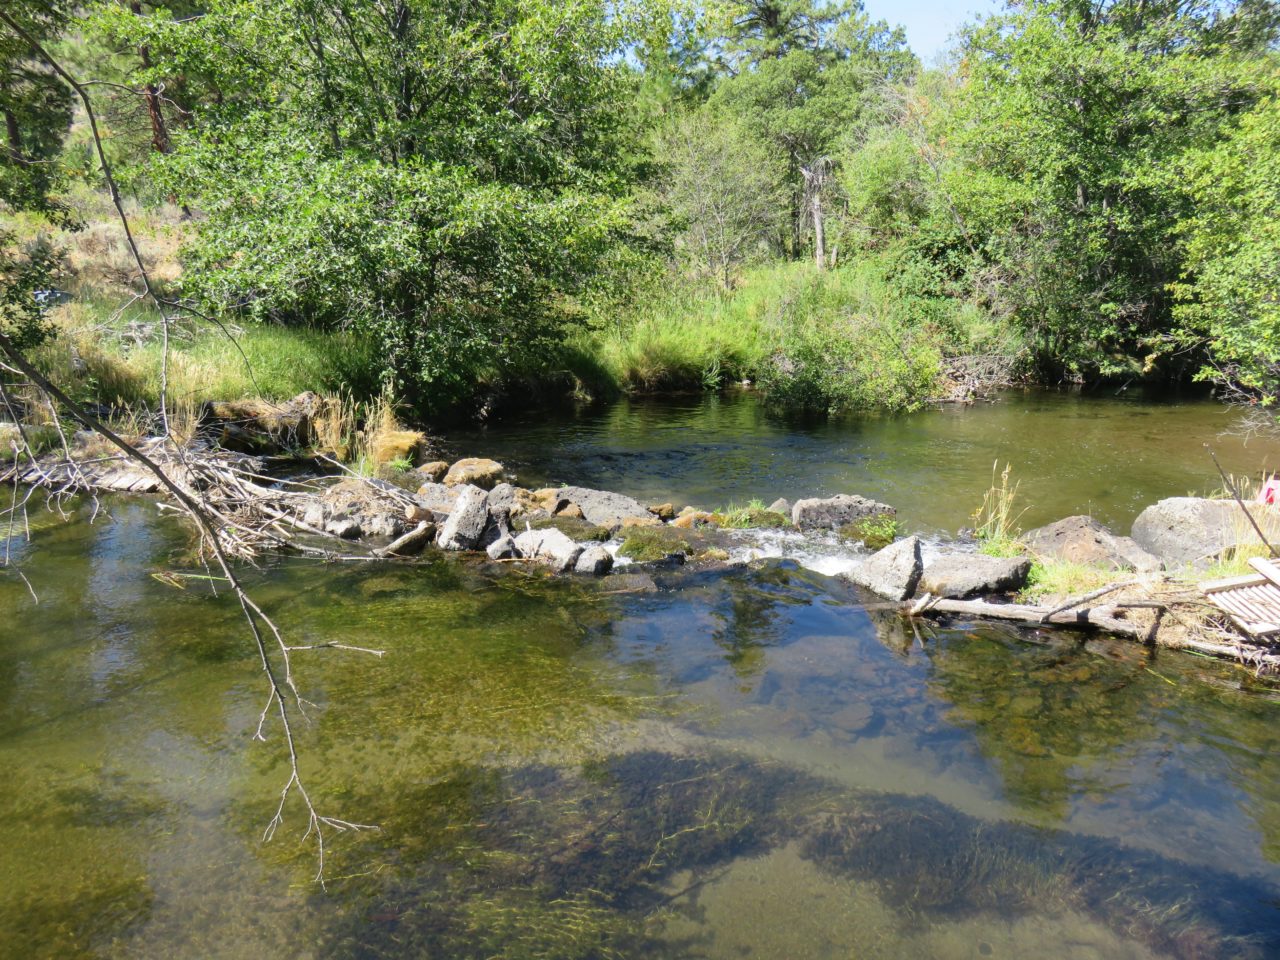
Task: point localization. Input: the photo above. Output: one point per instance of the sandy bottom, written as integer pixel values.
(783, 907)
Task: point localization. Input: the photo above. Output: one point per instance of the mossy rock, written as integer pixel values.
(647, 544)
(750, 518)
(406, 478)
(767, 518)
(574, 528)
(876, 532)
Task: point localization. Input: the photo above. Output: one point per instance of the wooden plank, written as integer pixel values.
(1230, 583)
(1267, 568)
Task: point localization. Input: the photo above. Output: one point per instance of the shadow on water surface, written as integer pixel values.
(551, 862)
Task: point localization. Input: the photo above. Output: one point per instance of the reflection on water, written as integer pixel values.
(1108, 456)
(745, 762)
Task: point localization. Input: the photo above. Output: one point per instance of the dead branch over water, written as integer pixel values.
(213, 492)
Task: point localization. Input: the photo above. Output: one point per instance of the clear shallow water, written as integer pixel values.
(1107, 456)
(738, 763)
(741, 762)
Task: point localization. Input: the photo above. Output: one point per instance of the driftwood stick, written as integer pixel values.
(411, 542)
(1094, 595)
(1240, 503)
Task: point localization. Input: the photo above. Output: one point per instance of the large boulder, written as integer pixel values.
(476, 471)
(438, 498)
(961, 575)
(832, 512)
(551, 547)
(1085, 540)
(604, 508)
(1195, 531)
(892, 572)
(465, 527)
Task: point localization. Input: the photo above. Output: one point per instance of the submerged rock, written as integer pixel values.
(466, 524)
(961, 575)
(894, 572)
(1085, 540)
(631, 583)
(476, 471)
(603, 508)
(833, 512)
(1196, 531)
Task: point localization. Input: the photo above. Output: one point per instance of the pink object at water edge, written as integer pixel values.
(1270, 491)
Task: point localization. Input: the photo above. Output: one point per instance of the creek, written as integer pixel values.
(740, 762)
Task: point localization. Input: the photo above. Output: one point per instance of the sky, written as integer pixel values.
(928, 22)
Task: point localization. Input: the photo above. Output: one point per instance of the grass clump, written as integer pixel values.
(823, 341)
(875, 532)
(1050, 578)
(996, 520)
(754, 514)
(34, 439)
(647, 544)
(106, 355)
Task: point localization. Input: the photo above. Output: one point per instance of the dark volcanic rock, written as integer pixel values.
(466, 524)
(833, 512)
(1085, 540)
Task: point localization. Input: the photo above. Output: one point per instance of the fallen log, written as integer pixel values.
(415, 513)
(1085, 618)
(411, 543)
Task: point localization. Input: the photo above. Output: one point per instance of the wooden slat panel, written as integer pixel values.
(1230, 583)
(1252, 603)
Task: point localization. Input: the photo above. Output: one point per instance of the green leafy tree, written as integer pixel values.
(36, 107)
(1071, 115)
(807, 74)
(1228, 298)
(723, 191)
(446, 175)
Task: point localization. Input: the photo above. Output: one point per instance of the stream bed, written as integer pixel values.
(730, 763)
